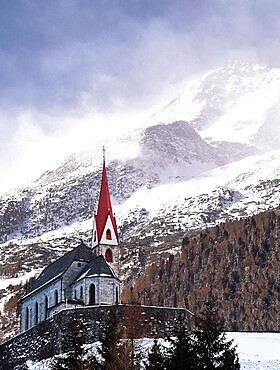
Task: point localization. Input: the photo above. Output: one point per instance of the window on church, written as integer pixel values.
(46, 306)
(92, 299)
(79, 264)
(94, 239)
(26, 318)
(36, 313)
(108, 234)
(117, 295)
(81, 292)
(109, 255)
(75, 294)
(55, 297)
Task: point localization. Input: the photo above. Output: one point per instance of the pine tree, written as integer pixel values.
(128, 355)
(110, 339)
(156, 358)
(212, 351)
(182, 354)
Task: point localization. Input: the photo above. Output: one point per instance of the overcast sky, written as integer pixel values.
(74, 71)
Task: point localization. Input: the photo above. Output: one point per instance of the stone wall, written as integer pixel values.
(46, 339)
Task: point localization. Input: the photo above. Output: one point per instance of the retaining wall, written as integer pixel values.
(46, 339)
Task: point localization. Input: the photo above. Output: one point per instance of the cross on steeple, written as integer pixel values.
(103, 153)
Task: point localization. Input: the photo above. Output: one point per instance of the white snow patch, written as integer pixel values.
(256, 351)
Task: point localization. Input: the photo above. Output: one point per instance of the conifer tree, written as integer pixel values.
(212, 351)
(182, 354)
(109, 342)
(128, 355)
(156, 358)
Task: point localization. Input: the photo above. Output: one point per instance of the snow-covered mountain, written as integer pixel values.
(231, 115)
(239, 189)
(150, 157)
(239, 102)
(213, 153)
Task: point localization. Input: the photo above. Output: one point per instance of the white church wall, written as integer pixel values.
(39, 303)
(86, 283)
(104, 287)
(78, 291)
(70, 275)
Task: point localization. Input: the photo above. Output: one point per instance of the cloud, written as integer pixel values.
(73, 70)
(30, 150)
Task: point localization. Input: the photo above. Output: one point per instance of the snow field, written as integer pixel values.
(256, 351)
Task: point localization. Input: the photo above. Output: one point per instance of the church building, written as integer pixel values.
(82, 277)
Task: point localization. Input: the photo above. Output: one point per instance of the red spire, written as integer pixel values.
(104, 205)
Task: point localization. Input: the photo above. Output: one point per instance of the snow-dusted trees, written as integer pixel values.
(204, 349)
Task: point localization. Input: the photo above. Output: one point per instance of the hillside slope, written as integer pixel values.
(234, 265)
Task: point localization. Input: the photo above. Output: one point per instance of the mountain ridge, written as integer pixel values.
(165, 179)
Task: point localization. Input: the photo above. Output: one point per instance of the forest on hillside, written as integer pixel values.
(235, 265)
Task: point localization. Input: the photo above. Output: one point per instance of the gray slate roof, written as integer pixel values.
(97, 267)
(57, 268)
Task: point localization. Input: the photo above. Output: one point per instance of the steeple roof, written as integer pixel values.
(104, 205)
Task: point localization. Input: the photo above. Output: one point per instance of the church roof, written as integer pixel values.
(97, 267)
(104, 206)
(57, 268)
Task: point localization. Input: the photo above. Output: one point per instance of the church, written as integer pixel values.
(82, 277)
(84, 284)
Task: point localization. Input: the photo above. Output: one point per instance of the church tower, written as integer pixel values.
(105, 239)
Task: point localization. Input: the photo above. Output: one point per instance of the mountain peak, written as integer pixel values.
(231, 104)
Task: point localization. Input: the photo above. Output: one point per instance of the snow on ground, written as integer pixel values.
(21, 279)
(256, 351)
(75, 228)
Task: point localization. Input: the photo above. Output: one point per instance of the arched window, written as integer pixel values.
(94, 238)
(108, 234)
(26, 318)
(46, 306)
(92, 299)
(36, 313)
(108, 255)
(117, 295)
(75, 294)
(55, 297)
(81, 292)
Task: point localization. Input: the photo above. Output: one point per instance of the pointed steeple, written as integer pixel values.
(105, 239)
(104, 205)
